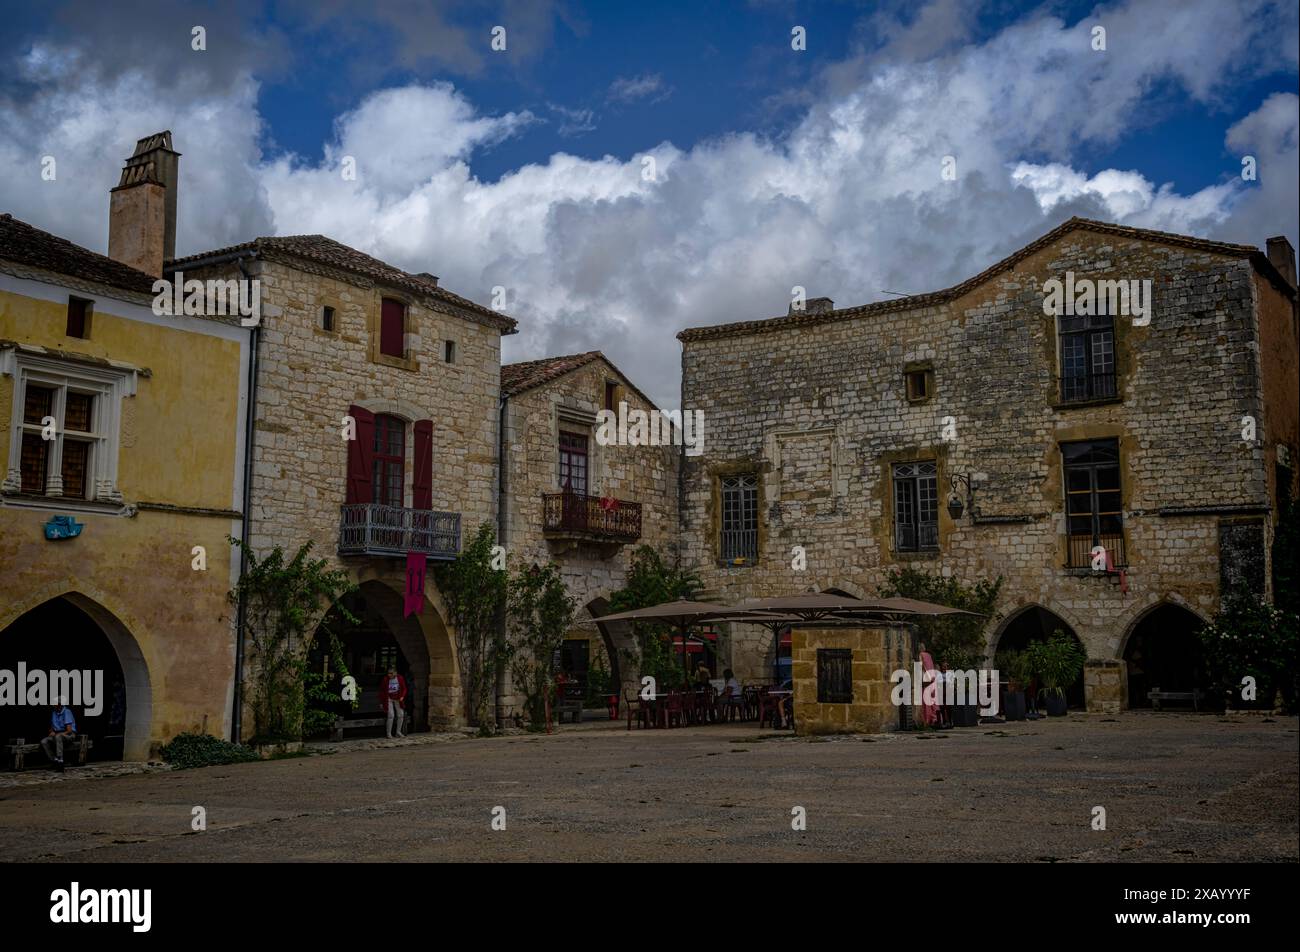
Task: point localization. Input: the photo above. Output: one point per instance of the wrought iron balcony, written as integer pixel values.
(604, 519)
(1082, 388)
(1081, 546)
(372, 529)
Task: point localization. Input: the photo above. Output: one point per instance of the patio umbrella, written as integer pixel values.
(680, 614)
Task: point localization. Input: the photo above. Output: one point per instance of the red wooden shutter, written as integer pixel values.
(392, 328)
(361, 457)
(422, 490)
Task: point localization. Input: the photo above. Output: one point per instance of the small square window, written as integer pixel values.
(920, 384)
(78, 317)
(327, 319)
(834, 676)
(449, 351)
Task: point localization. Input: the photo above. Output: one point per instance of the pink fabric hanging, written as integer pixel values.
(929, 710)
(416, 563)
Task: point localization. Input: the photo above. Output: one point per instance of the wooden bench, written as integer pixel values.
(18, 749)
(1155, 696)
(568, 706)
(340, 725)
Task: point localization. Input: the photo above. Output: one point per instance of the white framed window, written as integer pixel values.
(64, 427)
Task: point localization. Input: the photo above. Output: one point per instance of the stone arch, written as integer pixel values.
(617, 637)
(1159, 649)
(1006, 616)
(397, 408)
(1034, 621)
(1140, 612)
(845, 588)
(135, 669)
(426, 640)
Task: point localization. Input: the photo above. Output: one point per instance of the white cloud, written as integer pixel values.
(649, 86)
(848, 203)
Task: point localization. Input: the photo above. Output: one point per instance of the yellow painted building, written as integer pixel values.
(146, 455)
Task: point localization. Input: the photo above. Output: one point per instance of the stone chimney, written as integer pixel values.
(817, 305)
(1282, 255)
(142, 209)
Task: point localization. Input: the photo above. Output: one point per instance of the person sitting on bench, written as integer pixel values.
(63, 726)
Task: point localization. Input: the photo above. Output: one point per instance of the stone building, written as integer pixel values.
(584, 505)
(375, 435)
(1160, 441)
(122, 432)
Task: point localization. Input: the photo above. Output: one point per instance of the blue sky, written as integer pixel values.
(777, 167)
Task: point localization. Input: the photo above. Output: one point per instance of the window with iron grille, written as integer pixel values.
(834, 676)
(390, 461)
(1093, 500)
(1087, 356)
(916, 507)
(740, 518)
(573, 463)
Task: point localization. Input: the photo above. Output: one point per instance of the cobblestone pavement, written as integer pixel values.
(1174, 786)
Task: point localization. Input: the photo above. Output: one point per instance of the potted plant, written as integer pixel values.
(1014, 666)
(1057, 663)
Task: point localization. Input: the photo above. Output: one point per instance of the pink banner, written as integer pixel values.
(414, 600)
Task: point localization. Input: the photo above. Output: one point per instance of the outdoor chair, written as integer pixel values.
(769, 706)
(637, 708)
(673, 709)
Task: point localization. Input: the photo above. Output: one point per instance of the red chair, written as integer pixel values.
(673, 709)
(612, 702)
(769, 705)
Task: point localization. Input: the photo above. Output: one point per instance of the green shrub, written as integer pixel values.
(204, 750)
(1056, 662)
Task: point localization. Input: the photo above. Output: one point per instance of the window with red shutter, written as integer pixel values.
(392, 328)
(389, 480)
(361, 454)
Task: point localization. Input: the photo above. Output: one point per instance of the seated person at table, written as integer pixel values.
(732, 687)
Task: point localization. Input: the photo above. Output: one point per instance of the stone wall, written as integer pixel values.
(819, 410)
(876, 654)
(592, 569)
(308, 378)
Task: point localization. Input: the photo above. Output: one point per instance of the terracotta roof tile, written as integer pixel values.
(327, 251)
(516, 378)
(808, 318)
(24, 244)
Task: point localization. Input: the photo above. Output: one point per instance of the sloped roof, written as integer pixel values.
(808, 318)
(24, 244)
(327, 251)
(529, 374)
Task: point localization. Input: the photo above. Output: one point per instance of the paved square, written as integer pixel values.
(1175, 787)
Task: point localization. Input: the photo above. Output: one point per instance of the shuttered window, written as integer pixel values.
(834, 676)
(392, 328)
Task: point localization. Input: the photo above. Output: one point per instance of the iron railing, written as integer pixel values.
(374, 529)
(1081, 546)
(1081, 387)
(596, 516)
